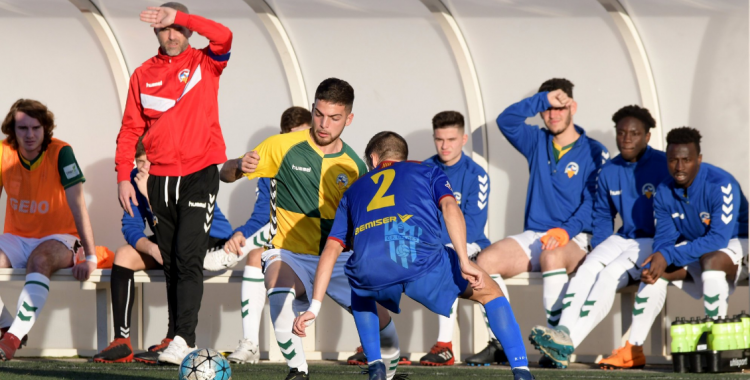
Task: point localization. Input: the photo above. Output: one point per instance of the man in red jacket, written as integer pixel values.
(172, 102)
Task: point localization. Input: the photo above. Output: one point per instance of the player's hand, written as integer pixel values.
(550, 244)
(657, 265)
(127, 194)
(155, 253)
(141, 181)
(303, 321)
(249, 162)
(559, 99)
(474, 275)
(159, 17)
(235, 243)
(554, 238)
(82, 271)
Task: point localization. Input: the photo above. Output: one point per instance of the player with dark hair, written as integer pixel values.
(564, 165)
(392, 219)
(47, 226)
(309, 171)
(173, 103)
(700, 244)
(142, 253)
(248, 240)
(471, 189)
(627, 186)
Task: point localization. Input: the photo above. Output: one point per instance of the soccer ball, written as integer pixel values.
(205, 364)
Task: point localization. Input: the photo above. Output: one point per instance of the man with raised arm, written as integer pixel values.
(46, 221)
(172, 102)
(392, 219)
(563, 167)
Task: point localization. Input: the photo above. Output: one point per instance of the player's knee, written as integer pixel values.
(39, 262)
(715, 261)
(552, 259)
(253, 258)
(612, 272)
(125, 256)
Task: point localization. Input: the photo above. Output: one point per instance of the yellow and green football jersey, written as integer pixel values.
(306, 187)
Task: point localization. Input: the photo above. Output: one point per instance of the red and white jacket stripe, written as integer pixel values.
(174, 100)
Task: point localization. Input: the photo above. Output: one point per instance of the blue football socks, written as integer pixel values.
(368, 326)
(503, 324)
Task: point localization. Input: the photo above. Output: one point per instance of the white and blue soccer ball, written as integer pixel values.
(205, 364)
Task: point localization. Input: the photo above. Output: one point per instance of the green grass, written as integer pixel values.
(78, 370)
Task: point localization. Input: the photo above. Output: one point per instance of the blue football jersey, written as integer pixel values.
(391, 218)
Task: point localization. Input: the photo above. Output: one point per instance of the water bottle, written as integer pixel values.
(745, 319)
(679, 334)
(720, 331)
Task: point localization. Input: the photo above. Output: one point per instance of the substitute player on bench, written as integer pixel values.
(627, 186)
(46, 221)
(471, 188)
(391, 217)
(700, 243)
(142, 253)
(309, 171)
(563, 168)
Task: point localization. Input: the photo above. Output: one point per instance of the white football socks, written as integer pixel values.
(280, 301)
(554, 286)
(446, 324)
(599, 301)
(648, 303)
(578, 290)
(389, 349)
(715, 293)
(30, 304)
(253, 292)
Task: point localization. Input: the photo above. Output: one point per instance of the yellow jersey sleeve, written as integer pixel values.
(272, 151)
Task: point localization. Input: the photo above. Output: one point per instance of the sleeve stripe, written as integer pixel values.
(219, 58)
(338, 241)
(446, 195)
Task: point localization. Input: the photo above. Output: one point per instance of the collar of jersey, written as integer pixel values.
(311, 142)
(31, 164)
(387, 163)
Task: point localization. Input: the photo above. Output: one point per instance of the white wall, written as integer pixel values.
(395, 55)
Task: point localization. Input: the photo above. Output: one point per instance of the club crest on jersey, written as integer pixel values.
(571, 169)
(457, 195)
(183, 75)
(402, 239)
(342, 181)
(648, 190)
(706, 218)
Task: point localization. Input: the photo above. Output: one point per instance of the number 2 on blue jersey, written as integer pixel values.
(379, 200)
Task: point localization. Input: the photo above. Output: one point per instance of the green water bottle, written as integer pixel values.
(679, 336)
(745, 319)
(739, 332)
(735, 333)
(720, 331)
(697, 330)
(708, 323)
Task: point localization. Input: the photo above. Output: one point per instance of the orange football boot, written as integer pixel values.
(628, 357)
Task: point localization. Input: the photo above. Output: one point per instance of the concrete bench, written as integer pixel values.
(99, 282)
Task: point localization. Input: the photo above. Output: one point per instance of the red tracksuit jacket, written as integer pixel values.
(174, 100)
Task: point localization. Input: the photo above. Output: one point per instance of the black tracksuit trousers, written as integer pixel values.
(184, 210)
